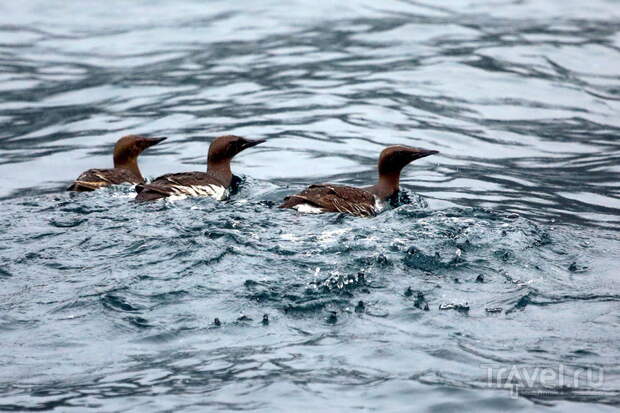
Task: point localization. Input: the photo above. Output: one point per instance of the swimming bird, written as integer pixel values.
(364, 202)
(217, 182)
(125, 169)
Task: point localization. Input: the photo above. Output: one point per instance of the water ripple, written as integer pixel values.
(500, 253)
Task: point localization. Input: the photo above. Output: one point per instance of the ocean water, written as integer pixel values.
(492, 287)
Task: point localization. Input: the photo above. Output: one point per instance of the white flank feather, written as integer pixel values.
(308, 209)
(214, 191)
(380, 206)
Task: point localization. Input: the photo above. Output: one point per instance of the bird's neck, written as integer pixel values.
(221, 171)
(129, 164)
(387, 185)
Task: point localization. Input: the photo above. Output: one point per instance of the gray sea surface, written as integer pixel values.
(493, 286)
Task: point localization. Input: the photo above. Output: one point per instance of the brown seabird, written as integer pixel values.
(216, 182)
(364, 202)
(125, 169)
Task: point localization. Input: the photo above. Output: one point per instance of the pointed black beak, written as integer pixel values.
(154, 141)
(422, 153)
(249, 142)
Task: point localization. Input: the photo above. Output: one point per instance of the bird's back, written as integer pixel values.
(182, 184)
(93, 179)
(333, 198)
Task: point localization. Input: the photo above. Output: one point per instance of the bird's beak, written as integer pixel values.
(249, 143)
(153, 141)
(422, 153)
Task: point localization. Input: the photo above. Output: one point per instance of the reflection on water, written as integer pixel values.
(106, 303)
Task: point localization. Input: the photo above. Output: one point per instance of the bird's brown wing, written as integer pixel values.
(184, 183)
(334, 198)
(100, 178)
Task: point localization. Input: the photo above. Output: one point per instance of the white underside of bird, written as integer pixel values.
(214, 191)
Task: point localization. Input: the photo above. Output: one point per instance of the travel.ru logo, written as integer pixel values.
(535, 380)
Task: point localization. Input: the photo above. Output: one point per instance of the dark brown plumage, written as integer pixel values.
(334, 198)
(362, 202)
(126, 152)
(184, 183)
(100, 178)
(216, 182)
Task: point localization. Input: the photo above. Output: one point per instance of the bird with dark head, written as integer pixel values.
(216, 182)
(126, 170)
(367, 201)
